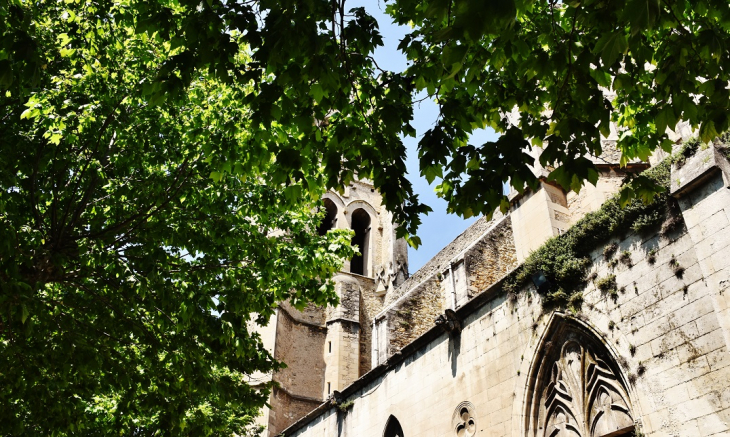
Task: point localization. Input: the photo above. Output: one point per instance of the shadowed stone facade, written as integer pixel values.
(453, 355)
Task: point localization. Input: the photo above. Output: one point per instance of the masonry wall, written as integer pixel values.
(300, 344)
(533, 220)
(370, 305)
(666, 331)
(590, 198)
(491, 258)
(475, 264)
(342, 355)
(287, 409)
(414, 315)
(439, 263)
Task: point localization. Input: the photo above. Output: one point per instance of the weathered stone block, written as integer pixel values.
(712, 424)
(718, 359)
(697, 169)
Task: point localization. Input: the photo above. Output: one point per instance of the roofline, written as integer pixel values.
(411, 348)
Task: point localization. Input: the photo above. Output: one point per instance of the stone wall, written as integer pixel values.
(440, 261)
(287, 409)
(370, 305)
(342, 355)
(300, 345)
(414, 315)
(483, 254)
(537, 216)
(491, 258)
(349, 330)
(310, 314)
(590, 198)
(660, 343)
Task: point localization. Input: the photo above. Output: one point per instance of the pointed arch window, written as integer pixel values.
(361, 226)
(393, 428)
(576, 388)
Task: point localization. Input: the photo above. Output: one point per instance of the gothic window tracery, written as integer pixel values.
(577, 389)
(464, 420)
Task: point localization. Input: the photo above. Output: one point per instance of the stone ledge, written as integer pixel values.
(697, 169)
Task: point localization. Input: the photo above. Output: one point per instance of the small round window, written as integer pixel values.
(464, 420)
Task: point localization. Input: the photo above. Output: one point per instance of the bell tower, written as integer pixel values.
(381, 265)
(326, 349)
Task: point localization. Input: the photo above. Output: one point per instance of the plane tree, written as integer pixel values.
(150, 149)
(312, 69)
(140, 241)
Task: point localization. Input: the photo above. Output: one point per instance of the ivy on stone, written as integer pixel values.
(565, 259)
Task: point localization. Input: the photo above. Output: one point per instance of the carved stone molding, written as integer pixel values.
(576, 389)
(464, 420)
(449, 321)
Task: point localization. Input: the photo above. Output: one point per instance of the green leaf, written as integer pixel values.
(611, 46)
(453, 53)
(431, 172)
(665, 119)
(601, 77)
(642, 14)
(708, 132)
(316, 92)
(29, 113)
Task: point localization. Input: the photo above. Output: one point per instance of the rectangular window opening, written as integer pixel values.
(330, 346)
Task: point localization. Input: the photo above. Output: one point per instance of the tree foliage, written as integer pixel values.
(151, 148)
(549, 62)
(566, 70)
(140, 240)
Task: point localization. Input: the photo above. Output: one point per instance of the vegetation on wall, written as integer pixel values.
(565, 259)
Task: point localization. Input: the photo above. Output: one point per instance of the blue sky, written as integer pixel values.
(438, 227)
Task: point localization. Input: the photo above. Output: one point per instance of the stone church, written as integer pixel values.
(447, 351)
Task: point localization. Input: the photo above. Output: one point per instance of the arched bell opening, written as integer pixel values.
(361, 226)
(393, 428)
(330, 217)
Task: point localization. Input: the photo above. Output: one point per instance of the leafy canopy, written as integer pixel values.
(566, 70)
(548, 62)
(150, 148)
(141, 238)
